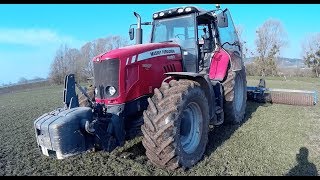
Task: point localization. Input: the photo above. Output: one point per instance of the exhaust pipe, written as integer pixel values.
(138, 30)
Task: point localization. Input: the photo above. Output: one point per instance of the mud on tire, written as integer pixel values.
(235, 96)
(83, 101)
(176, 123)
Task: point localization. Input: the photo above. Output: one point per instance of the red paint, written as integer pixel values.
(139, 78)
(128, 51)
(219, 65)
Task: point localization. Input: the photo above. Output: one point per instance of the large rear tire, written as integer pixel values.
(235, 96)
(83, 100)
(176, 123)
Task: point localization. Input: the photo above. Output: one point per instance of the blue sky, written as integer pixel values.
(30, 34)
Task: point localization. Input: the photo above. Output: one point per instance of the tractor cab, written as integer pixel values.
(198, 32)
(190, 28)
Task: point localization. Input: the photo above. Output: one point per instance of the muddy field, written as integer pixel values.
(267, 143)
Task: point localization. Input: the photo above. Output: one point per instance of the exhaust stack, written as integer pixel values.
(138, 30)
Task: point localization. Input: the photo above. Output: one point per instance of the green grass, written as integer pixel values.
(265, 144)
(303, 83)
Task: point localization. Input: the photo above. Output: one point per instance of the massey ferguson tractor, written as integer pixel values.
(189, 77)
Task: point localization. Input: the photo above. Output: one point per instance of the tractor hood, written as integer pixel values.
(155, 49)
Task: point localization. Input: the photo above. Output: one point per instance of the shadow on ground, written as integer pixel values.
(223, 132)
(304, 167)
(216, 137)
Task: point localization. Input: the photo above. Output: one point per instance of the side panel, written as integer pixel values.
(229, 38)
(219, 65)
(140, 73)
(145, 75)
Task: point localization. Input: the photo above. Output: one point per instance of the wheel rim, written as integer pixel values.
(190, 127)
(239, 93)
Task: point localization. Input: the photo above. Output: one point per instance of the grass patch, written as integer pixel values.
(267, 143)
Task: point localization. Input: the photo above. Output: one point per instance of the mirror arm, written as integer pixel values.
(146, 23)
(132, 25)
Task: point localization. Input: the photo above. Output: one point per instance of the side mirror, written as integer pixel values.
(222, 19)
(131, 33)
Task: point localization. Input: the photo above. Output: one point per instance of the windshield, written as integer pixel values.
(178, 29)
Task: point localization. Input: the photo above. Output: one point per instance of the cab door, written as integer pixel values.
(229, 39)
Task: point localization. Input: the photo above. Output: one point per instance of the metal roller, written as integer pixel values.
(281, 96)
(291, 97)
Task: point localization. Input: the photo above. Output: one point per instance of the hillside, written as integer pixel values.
(284, 62)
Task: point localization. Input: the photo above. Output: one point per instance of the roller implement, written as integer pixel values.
(262, 94)
(189, 77)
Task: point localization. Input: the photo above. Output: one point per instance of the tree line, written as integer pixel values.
(270, 41)
(79, 61)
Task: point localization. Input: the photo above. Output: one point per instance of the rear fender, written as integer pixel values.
(204, 82)
(220, 61)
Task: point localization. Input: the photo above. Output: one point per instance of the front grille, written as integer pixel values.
(106, 73)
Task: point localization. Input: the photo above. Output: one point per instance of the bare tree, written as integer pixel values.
(74, 65)
(22, 80)
(97, 47)
(311, 52)
(271, 39)
(87, 55)
(115, 42)
(79, 62)
(243, 43)
(100, 46)
(59, 65)
(65, 62)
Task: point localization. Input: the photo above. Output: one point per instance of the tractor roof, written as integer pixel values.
(177, 11)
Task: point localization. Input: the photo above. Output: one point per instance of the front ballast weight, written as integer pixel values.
(61, 133)
(72, 130)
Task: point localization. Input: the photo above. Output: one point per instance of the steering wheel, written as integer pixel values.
(177, 35)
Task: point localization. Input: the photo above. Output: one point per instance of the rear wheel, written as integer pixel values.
(83, 100)
(176, 125)
(235, 95)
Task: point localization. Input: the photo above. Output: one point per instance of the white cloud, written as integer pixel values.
(35, 57)
(36, 37)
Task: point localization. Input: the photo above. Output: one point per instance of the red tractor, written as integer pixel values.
(190, 76)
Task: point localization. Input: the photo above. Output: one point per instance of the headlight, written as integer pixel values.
(180, 10)
(161, 14)
(188, 9)
(110, 90)
(96, 91)
(155, 15)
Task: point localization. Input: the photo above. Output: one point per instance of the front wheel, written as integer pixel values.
(176, 123)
